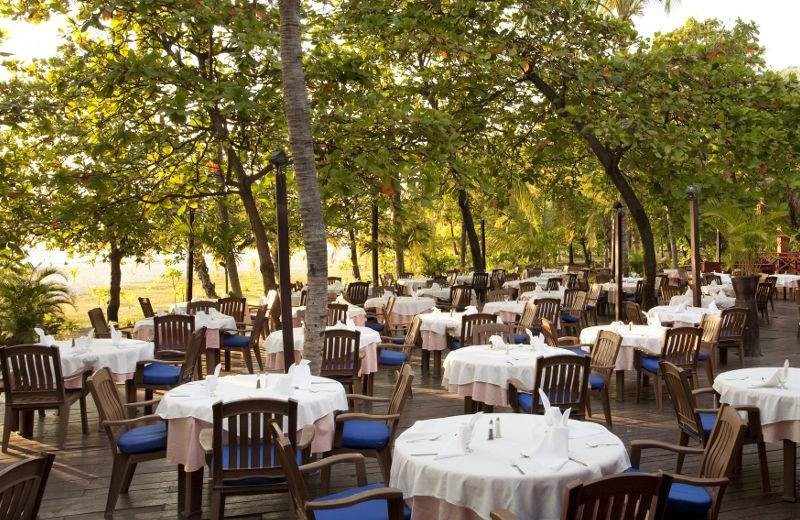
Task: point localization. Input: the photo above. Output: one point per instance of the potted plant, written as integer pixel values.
(747, 234)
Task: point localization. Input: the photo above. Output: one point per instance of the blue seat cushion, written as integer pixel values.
(589, 307)
(707, 421)
(569, 318)
(650, 363)
(399, 340)
(365, 434)
(143, 439)
(578, 350)
(520, 338)
(703, 356)
(456, 343)
(685, 501)
(392, 357)
(630, 298)
(525, 401)
(160, 374)
(371, 510)
(236, 341)
(374, 325)
(255, 481)
(596, 382)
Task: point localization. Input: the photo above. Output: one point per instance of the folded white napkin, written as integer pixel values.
(44, 339)
(681, 306)
(116, 336)
(471, 310)
(712, 307)
(778, 379)
(654, 320)
(300, 375)
(689, 293)
(713, 283)
(212, 380)
(161, 312)
(553, 451)
(84, 342)
(214, 313)
(497, 342)
(459, 444)
(435, 286)
(436, 310)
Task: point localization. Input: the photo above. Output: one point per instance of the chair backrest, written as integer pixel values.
(569, 296)
(670, 291)
(452, 279)
(498, 277)
(633, 313)
(624, 496)
(660, 281)
(512, 276)
(340, 354)
(407, 274)
(108, 403)
(260, 326)
(235, 307)
(529, 316)
(602, 278)
(337, 313)
(763, 292)
(605, 351)
(526, 287)
(553, 284)
(549, 309)
(564, 380)
(549, 333)
(99, 323)
(480, 281)
(680, 392)
(468, 321)
(193, 308)
(577, 303)
(734, 322)
(532, 271)
(400, 391)
(440, 279)
(22, 487)
(710, 278)
(594, 294)
(639, 293)
(334, 279)
(482, 332)
(32, 374)
(460, 297)
(147, 307)
(172, 332)
(681, 345)
(498, 295)
(357, 292)
(191, 369)
(711, 326)
(243, 439)
(387, 311)
(723, 445)
(413, 333)
(303, 298)
(569, 280)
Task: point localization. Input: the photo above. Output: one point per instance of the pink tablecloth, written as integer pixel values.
(480, 392)
(146, 333)
(369, 359)
(433, 341)
(776, 432)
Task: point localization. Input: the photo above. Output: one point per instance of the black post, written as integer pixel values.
(190, 258)
(375, 273)
(483, 242)
(618, 207)
(719, 247)
(694, 238)
(279, 160)
(225, 270)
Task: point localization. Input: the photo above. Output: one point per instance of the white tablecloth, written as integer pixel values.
(639, 336)
(676, 314)
(539, 294)
(789, 281)
(465, 278)
(357, 314)
(485, 480)
(506, 310)
(121, 360)
(725, 278)
(723, 302)
(144, 328)
(273, 344)
(441, 322)
(410, 285)
(540, 281)
(714, 289)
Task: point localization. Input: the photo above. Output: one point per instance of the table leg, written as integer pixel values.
(212, 359)
(789, 471)
(620, 385)
(425, 361)
(190, 493)
(130, 396)
(26, 423)
(437, 364)
(468, 409)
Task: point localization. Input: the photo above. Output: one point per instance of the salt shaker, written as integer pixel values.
(491, 431)
(497, 434)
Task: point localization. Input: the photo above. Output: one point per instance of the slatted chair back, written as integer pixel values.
(734, 322)
(172, 334)
(577, 302)
(512, 276)
(243, 439)
(711, 325)
(481, 333)
(594, 294)
(99, 323)
(387, 311)
(549, 333)
(532, 271)
(147, 307)
(191, 367)
(480, 281)
(452, 279)
(565, 382)
(526, 287)
(670, 291)
(661, 281)
(340, 354)
(710, 278)
(334, 279)
(763, 293)
(260, 325)
(468, 321)
(569, 295)
(530, 313)
(549, 309)
(569, 280)
(633, 313)
(337, 313)
(32, 375)
(234, 307)
(624, 496)
(273, 302)
(602, 278)
(22, 487)
(297, 285)
(193, 308)
(440, 280)
(413, 336)
(498, 278)
(681, 345)
(499, 295)
(582, 284)
(553, 284)
(638, 295)
(605, 351)
(407, 275)
(723, 445)
(400, 391)
(357, 293)
(303, 298)
(680, 392)
(460, 296)
(108, 402)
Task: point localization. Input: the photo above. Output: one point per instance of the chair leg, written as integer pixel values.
(118, 472)
(257, 354)
(589, 405)
(63, 424)
(762, 460)
(638, 384)
(148, 396)
(385, 462)
(227, 360)
(710, 368)
(606, 405)
(128, 477)
(217, 504)
(10, 419)
(84, 415)
(248, 360)
(657, 384)
(741, 354)
(683, 441)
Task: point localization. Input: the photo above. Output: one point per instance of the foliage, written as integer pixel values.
(437, 263)
(747, 234)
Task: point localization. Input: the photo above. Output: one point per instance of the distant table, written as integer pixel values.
(678, 315)
(144, 329)
(101, 353)
(723, 302)
(538, 294)
(357, 314)
(405, 308)
(433, 329)
(508, 311)
(410, 285)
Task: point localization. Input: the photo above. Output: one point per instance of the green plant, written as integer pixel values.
(746, 233)
(437, 263)
(31, 297)
(636, 261)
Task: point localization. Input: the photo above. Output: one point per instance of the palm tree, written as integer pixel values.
(627, 9)
(295, 98)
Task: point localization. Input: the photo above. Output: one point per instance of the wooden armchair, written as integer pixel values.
(394, 355)
(467, 322)
(482, 332)
(633, 313)
(499, 295)
(709, 344)
(193, 308)
(763, 294)
(622, 496)
(604, 354)
(573, 315)
(334, 280)
(592, 302)
(100, 325)
(525, 287)
(341, 357)
(248, 341)
(670, 291)
(357, 293)
(337, 313)
(731, 333)
(372, 434)
(22, 487)
(681, 346)
(480, 284)
(33, 381)
(553, 284)
(565, 381)
(147, 307)
(460, 299)
(234, 307)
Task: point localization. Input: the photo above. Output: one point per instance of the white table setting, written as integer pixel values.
(354, 313)
(540, 294)
(649, 338)
(434, 326)
(787, 281)
(714, 289)
(213, 320)
(681, 315)
(508, 311)
(410, 285)
(404, 309)
(720, 301)
(450, 468)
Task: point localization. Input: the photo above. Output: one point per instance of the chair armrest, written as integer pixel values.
(83, 372)
(163, 362)
(139, 404)
(706, 390)
(134, 421)
(306, 438)
(363, 496)
(569, 340)
(356, 458)
(370, 398)
(706, 410)
(342, 417)
(638, 445)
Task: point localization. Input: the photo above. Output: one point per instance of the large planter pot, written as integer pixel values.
(745, 288)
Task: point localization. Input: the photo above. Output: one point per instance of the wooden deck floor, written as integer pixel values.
(79, 482)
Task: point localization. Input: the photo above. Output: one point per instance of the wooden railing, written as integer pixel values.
(780, 262)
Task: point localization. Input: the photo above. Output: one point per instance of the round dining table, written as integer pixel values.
(495, 475)
(404, 309)
(121, 359)
(679, 315)
(779, 410)
(720, 300)
(538, 294)
(410, 285)
(354, 313)
(508, 311)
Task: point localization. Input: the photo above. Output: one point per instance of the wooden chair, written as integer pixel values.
(22, 487)
(342, 504)
(147, 307)
(240, 449)
(395, 352)
(549, 309)
(440, 280)
(563, 379)
(33, 381)
(763, 293)
(701, 496)
(552, 339)
(171, 335)
(407, 275)
(604, 354)
(625, 496)
(480, 284)
(303, 298)
(334, 279)
(553, 284)
(100, 325)
(602, 278)
(670, 291)
(711, 326)
(512, 276)
(132, 440)
(234, 307)
(573, 315)
(372, 434)
(633, 313)
(532, 271)
(337, 313)
(731, 333)
(772, 281)
(498, 278)
(357, 293)
(467, 322)
(482, 332)
(696, 423)
(681, 346)
(569, 280)
(527, 320)
(193, 308)
(638, 295)
(341, 357)
(660, 281)
(248, 344)
(499, 295)
(460, 298)
(709, 278)
(592, 301)
(525, 287)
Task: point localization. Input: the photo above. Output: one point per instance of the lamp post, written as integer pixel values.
(618, 207)
(190, 258)
(483, 243)
(279, 161)
(375, 219)
(694, 236)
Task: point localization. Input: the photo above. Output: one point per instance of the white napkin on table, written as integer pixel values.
(84, 342)
(116, 335)
(459, 444)
(435, 286)
(496, 342)
(161, 312)
(340, 299)
(681, 306)
(212, 380)
(214, 313)
(436, 310)
(654, 321)
(44, 339)
(300, 375)
(778, 379)
(471, 310)
(712, 307)
(553, 451)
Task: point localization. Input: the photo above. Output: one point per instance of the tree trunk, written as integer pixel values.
(115, 286)
(463, 260)
(201, 268)
(794, 210)
(587, 259)
(453, 238)
(222, 209)
(298, 119)
(233, 275)
(399, 247)
(571, 252)
(354, 254)
(373, 245)
(673, 244)
(469, 225)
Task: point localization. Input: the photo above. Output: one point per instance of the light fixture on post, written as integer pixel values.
(694, 237)
(620, 213)
(279, 161)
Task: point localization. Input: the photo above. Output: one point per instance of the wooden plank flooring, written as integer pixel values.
(79, 482)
